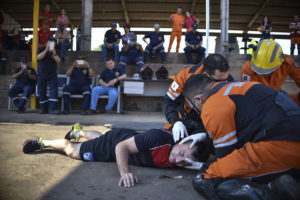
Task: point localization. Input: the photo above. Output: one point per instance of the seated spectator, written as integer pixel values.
(25, 83)
(80, 82)
(63, 37)
(62, 19)
(109, 79)
(132, 53)
(266, 28)
(295, 34)
(193, 41)
(43, 35)
(46, 17)
(189, 21)
(126, 37)
(111, 41)
(156, 44)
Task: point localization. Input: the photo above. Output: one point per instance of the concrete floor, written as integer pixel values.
(52, 175)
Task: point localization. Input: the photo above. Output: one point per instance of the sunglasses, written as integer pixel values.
(192, 104)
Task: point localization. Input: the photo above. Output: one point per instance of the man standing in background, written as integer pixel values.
(177, 21)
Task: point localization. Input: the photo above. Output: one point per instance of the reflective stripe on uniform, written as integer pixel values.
(53, 99)
(41, 102)
(225, 144)
(87, 92)
(226, 137)
(173, 94)
(169, 95)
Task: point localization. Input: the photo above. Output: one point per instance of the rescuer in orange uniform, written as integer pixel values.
(268, 65)
(177, 21)
(182, 119)
(256, 134)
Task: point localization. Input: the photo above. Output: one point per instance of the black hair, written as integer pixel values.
(180, 7)
(269, 20)
(109, 59)
(203, 149)
(127, 26)
(214, 62)
(196, 84)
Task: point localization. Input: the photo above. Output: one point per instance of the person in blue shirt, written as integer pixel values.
(156, 44)
(193, 41)
(109, 78)
(47, 75)
(25, 83)
(79, 73)
(132, 53)
(266, 28)
(111, 41)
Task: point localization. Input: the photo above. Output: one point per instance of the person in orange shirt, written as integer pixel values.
(177, 21)
(182, 120)
(255, 131)
(269, 66)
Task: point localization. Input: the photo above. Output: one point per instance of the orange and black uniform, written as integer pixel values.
(255, 130)
(288, 68)
(173, 103)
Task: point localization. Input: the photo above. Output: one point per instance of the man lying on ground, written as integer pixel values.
(153, 148)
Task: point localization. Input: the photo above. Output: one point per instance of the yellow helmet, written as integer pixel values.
(267, 57)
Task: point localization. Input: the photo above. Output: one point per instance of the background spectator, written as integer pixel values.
(295, 34)
(193, 41)
(266, 28)
(47, 67)
(177, 21)
(46, 17)
(44, 33)
(156, 44)
(63, 37)
(80, 82)
(109, 79)
(25, 83)
(132, 53)
(111, 41)
(62, 19)
(126, 37)
(189, 21)
(2, 59)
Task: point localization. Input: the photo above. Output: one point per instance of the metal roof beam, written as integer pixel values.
(125, 12)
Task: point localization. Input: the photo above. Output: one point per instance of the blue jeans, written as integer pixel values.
(64, 46)
(115, 48)
(102, 90)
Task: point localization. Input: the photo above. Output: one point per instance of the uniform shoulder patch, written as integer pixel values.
(245, 77)
(174, 86)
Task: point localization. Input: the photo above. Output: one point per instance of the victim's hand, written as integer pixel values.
(128, 180)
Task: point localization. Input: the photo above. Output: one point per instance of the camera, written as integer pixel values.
(51, 45)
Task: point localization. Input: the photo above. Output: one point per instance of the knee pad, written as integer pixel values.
(205, 187)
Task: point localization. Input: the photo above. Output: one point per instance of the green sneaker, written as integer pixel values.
(74, 132)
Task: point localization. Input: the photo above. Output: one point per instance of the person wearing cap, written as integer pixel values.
(177, 21)
(132, 53)
(43, 34)
(63, 37)
(268, 65)
(256, 135)
(193, 41)
(295, 34)
(111, 42)
(47, 75)
(79, 73)
(156, 44)
(109, 79)
(25, 83)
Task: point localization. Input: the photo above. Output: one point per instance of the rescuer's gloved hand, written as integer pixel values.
(194, 165)
(195, 138)
(179, 131)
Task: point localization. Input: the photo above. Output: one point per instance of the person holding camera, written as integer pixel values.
(47, 67)
(79, 73)
(63, 38)
(133, 53)
(25, 83)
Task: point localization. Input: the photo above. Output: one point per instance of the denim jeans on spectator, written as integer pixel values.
(103, 90)
(63, 46)
(115, 48)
